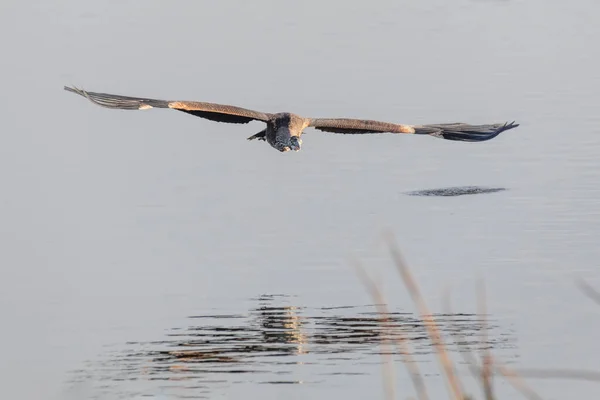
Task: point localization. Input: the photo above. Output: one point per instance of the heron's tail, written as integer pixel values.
(464, 132)
(119, 102)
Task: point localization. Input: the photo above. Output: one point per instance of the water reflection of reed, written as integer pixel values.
(275, 336)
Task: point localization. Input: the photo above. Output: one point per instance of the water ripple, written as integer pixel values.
(456, 191)
(272, 341)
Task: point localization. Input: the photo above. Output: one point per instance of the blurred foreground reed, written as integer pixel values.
(483, 369)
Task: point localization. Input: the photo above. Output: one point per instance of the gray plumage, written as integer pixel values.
(283, 130)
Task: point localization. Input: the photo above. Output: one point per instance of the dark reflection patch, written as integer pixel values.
(456, 191)
(273, 342)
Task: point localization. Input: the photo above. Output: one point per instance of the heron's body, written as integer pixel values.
(284, 130)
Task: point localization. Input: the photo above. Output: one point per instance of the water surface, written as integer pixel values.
(278, 343)
(117, 226)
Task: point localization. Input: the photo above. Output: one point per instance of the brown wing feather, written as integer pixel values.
(210, 111)
(357, 126)
(219, 112)
(456, 131)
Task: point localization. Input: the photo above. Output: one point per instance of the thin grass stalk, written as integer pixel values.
(433, 332)
(560, 373)
(401, 342)
(516, 381)
(588, 290)
(465, 352)
(486, 371)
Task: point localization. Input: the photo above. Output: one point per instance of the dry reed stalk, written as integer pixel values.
(575, 374)
(511, 376)
(516, 381)
(489, 363)
(514, 377)
(486, 370)
(588, 290)
(468, 358)
(401, 342)
(432, 330)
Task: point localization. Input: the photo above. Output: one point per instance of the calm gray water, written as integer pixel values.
(159, 254)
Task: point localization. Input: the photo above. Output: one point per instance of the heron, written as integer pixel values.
(283, 130)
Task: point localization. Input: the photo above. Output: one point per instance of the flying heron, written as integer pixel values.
(284, 129)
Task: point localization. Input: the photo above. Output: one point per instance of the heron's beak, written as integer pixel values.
(295, 145)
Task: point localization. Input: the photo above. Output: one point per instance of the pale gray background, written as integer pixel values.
(117, 225)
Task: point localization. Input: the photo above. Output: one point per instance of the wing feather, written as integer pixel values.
(357, 126)
(210, 111)
(454, 131)
(464, 132)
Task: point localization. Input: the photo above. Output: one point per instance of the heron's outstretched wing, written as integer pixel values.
(454, 131)
(211, 111)
(357, 126)
(464, 132)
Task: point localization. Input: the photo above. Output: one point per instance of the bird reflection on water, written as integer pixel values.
(273, 342)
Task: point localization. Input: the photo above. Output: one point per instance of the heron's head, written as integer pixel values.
(287, 129)
(286, 142)
(293, 143)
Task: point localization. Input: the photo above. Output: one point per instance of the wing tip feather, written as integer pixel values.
(466, 132)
